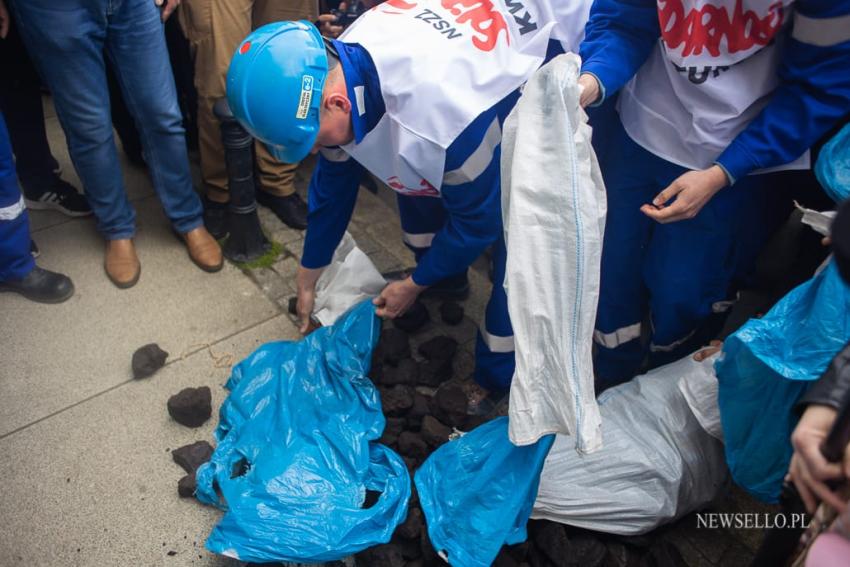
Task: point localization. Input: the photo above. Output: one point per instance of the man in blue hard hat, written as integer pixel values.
(416, 93)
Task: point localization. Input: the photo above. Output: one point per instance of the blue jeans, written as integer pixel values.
(67, 40)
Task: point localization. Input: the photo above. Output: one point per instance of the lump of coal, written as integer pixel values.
(451, 404)
(432, 373)
(292, 306)
(438, 348)
(186, 486)
(192, 456)
(387, 555)
(411, 445)
(414, 319)
(665, 554)
(622, 555)
(407, 372)
(191, 406)
(393, 428)
(396, 400)
(550, 539)
(420, 408)
(393, 346)
(587, 550)
(412, 526)
(409, 548)
(433, 432)
(505, 559)
(451, 313)
(147, 360)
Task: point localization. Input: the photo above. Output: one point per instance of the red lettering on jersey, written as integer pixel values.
(425, 189)
(706, 28)
(483, 18)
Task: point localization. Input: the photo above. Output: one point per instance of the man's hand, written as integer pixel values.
(396, 298)
(305, 280)
(712, 349)
(589, 90)
(809, 470)
(689, 192)
(170, 6)
(328, 27)
(4, 20)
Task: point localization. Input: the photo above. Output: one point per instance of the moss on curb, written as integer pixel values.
(264, 261)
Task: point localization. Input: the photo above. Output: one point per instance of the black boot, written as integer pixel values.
(291, 210)
(42, 286)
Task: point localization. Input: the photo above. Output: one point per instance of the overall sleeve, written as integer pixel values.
(331, 199)
(813, 95)
(619, 37)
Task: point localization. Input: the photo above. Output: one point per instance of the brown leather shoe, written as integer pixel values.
(203, 249)
(121, 263)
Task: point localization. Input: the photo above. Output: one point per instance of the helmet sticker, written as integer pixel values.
(306, 97)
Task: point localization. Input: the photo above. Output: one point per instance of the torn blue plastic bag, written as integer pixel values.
(833, 166)
(477, 493)
(297, 451)
(767, 365)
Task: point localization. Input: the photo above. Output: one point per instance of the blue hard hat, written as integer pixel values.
(274, 86)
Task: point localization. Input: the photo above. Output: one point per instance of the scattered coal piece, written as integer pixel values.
(409, 548)
(438, 348)
(411, 445)
(292, 306)
(505, 559)
(622, 555)
(407, 372)
(451, 404)
(387, 555)
(519, 551)
(428, 553)
(191, 406)
(171, 553)
(186, 486)
(420, 408)
(396, 400)
(393, 428)
(433, 432)
(451, 313)
(432, 373)
(394, 346)
(550, 539)
(474, 421)
(587, 550)
(192, 456)
(664, 554)
(414, 319)
(412, 526)
(147, 360)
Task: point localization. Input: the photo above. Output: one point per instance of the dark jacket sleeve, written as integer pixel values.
(833, 387)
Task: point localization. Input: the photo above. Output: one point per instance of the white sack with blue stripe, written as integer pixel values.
(553, 206)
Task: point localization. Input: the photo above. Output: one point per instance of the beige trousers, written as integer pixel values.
(214, 29)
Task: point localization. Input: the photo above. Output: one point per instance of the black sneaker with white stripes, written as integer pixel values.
(62, 197)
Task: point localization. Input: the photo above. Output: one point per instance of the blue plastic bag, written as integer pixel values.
(833, 166)
(477, 493)
(767, 365)
(302, 423)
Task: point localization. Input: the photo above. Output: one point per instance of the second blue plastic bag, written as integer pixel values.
(297, 450)
(477, 493)
(767, 365)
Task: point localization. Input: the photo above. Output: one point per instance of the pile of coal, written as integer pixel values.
(424, 403)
